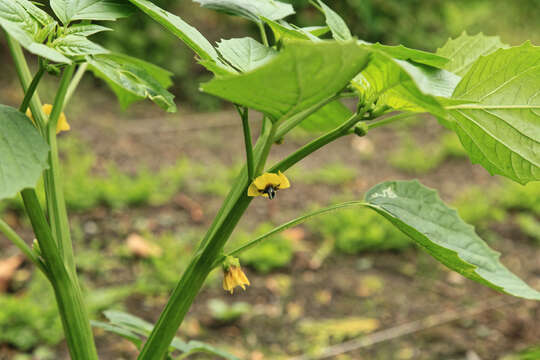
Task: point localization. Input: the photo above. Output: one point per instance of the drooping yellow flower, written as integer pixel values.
(61, 125)
(268, 184)
(233, 275)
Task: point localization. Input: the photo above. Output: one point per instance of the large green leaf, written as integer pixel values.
(419, 212)
(337, 25)
(327, 118)
(25, 29)
(69, 10)
(245, 54)
(76, 45)
(466, 49)
(404, 85)
(501, 129)
(404, 53)
(41, 16)
(187, 33)
(250, 9)
(23, 153)
(131, 327)
(301, 75)
(130, 80)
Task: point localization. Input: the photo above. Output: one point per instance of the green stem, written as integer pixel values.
(316, 144)
(390, 120)
(201, 264)
(212, 245)
(77, 328)
(247, 139)
(53, 184)
(68, 294)
(263, 33)
(75, 82)
(25, 78)
(32, 89)
(18, 242)
(286, 226)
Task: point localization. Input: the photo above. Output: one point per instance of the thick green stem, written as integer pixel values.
(18, 242)
(53, 178)
(210, 249)
(212, 245)
(32, 89)
(316, 144)
(68, 296)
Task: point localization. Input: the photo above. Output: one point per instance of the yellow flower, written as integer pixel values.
(62, 124)
(268, 184)
(234, 276)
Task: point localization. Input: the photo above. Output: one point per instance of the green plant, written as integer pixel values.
(476, 86)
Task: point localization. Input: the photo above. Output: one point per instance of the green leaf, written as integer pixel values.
(404, 53)
(15, 14)
(129, 326)
(41, 16)
(301, 75)
(316, 30)
(245, 54)
(250, 9)
(339, 28)
(327, 118)
(85, 29)
(18, 23)
(466, 49)
(130, 80)
(23, 153)
(164, 77)
(283, 30)
(501, 129)
(194, 347)
(128, 321)
(69, 10)
(419, 212)
(187, 33)
(404, 85)
(76, 45)
(125, 333)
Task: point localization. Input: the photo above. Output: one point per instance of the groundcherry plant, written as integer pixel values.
(487, 92)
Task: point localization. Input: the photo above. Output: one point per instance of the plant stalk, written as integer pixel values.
(67, 291)
(201, 264)
(77, 328)
(53, 184)
(212, 245)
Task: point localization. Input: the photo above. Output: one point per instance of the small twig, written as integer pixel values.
(408, 328)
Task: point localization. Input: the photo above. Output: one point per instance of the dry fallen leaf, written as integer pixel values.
(7, 270)
(138, 246)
